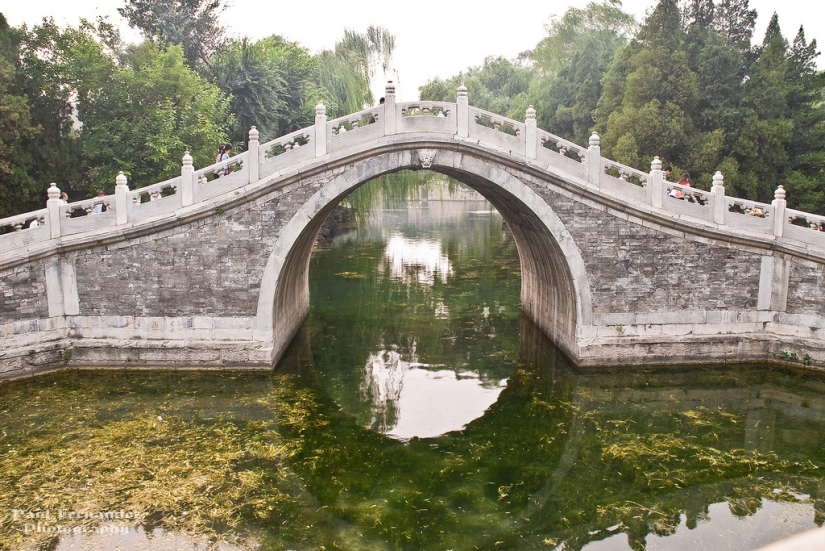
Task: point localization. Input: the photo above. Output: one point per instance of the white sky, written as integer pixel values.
(433, 39)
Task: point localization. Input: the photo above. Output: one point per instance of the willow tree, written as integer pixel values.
(347, 70)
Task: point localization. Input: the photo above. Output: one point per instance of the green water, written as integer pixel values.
(417, 409)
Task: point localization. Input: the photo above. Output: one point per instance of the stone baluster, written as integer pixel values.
(718, 197)
(320, 130)
(657, 183)
(594, 160)
(463, 113)
(253, 155)
(53, 204)
(530, 133)
(779, 215)
(187, 181)
(123, 206)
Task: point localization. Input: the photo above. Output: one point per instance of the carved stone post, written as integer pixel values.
(187, 184)
(252, 155)
(779, 216)
(53, 204)
(718, 194)
(389, 109)
(123, 206)
(530, 133)
(320, 130)
(594, 160)
(656, 183)
(463, 113)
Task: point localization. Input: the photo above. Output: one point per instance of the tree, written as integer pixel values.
(657, 92)
(736, 22)
(50, 63)
(346, 71)
(571, 63)
(761, 148)
(194, 24)
(19, 192)
(272, 83)
(498, 85)
(154, 109)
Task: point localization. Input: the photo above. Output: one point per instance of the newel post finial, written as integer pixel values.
(462, 113)
(389, 89)
(320, 130)
(187, 184)
(718, 197)
(779, 193)
(53, 204)
(123, 204)
(656, 164)
(530, 133)
(594, 139)
(253, 156)
(53, 192)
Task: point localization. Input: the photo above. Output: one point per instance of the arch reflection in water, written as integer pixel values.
(422, 258)
(433, 401)
(415, 316)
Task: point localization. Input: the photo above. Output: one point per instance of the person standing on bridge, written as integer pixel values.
(221, 157)
(227, 151)
(677, 193)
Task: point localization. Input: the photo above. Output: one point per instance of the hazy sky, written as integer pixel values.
(433, 39)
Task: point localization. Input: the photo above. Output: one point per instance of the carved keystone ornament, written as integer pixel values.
(426, 156)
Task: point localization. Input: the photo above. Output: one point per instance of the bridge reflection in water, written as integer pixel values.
(699, 458)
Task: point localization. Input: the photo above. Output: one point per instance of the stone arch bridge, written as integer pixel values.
(202, 271)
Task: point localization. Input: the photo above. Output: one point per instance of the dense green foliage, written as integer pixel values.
(686, 86)
(77, 105)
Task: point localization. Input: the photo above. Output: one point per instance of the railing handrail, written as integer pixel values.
(11, 221)
(571, 145)
(220, 165)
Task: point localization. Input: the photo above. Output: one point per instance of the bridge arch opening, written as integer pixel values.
(554, 289)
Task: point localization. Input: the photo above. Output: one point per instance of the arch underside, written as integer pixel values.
(557, 301)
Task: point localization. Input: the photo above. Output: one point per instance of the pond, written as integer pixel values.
(416, 409)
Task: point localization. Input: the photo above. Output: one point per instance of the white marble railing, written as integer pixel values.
(454, 120)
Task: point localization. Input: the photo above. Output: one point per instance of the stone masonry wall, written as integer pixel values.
(633, 268)
(23, 293)
(806, 288)
(212, 267)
